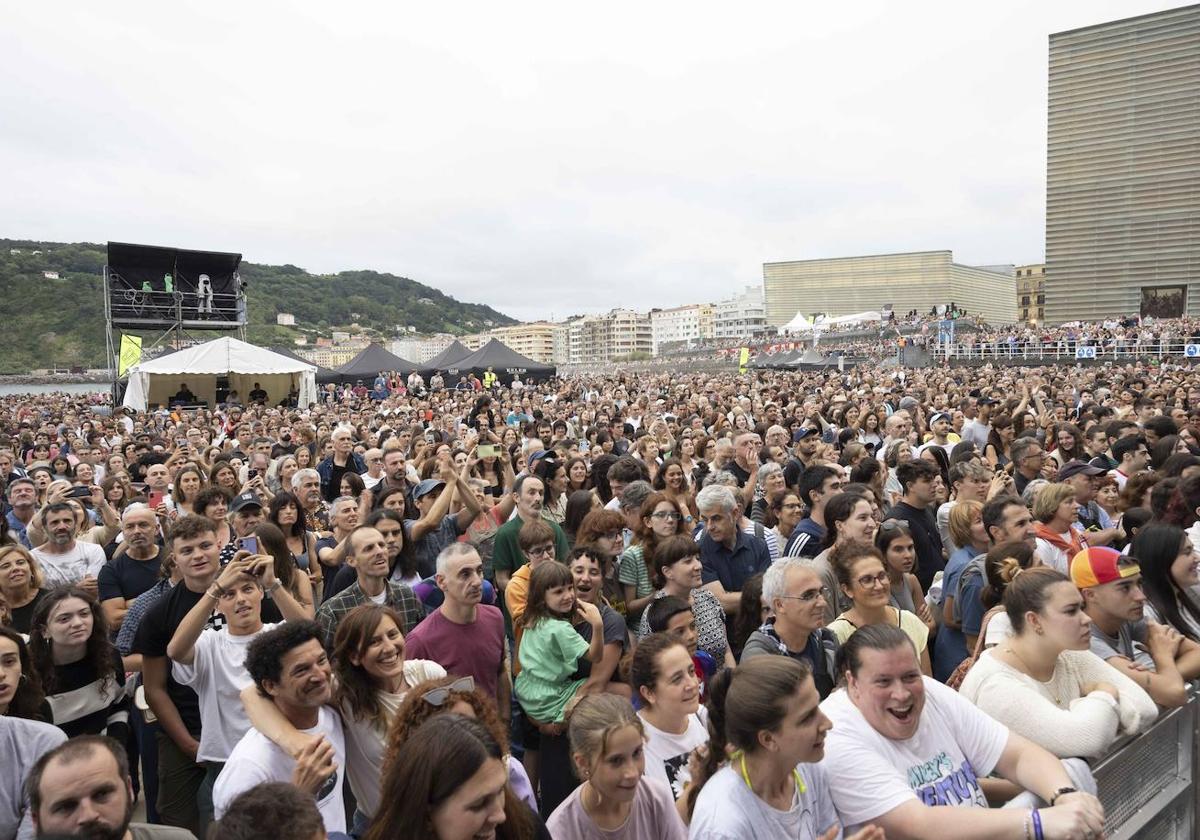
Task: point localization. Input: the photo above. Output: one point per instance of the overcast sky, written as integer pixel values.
(543, 158)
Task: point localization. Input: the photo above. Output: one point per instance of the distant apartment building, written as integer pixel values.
(285, 319)
(1123, 169)
(1031, 293)
(921, 280)
(421, 349)
(330, 357)
(614, 336)
(680, 326)
(741, 316)
(534, 340)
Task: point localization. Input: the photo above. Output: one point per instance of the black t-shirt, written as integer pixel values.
(157, 628)
(742, 475)
(926, 541)
(127, 578)
(793, 470)
(334, 488)
(22, 617)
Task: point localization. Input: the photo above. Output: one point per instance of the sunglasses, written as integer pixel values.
(439, 696)
(889, 525)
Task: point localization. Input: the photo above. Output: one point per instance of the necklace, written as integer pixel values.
(800, 787)
(1009, 649)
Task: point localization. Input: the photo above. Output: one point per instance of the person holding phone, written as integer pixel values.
(212, 664)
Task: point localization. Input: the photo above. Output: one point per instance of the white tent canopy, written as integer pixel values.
(156, 381)
(797, 324)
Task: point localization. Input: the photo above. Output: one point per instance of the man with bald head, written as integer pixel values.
(133, 565)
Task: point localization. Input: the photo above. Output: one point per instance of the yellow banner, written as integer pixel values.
(131, 353)
(743, 358)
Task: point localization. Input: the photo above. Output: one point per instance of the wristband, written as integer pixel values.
(274, 585)
(215, 592)
(1037, 825)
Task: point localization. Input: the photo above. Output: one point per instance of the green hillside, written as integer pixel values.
(60, 323)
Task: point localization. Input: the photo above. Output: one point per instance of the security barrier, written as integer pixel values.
(1065, 351)
(1147, 781)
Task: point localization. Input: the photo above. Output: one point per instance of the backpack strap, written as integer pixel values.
(987, 617)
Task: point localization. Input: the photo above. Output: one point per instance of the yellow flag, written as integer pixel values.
(743, 358)
(131, 353)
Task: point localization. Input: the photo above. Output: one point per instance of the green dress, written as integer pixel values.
(549, 655)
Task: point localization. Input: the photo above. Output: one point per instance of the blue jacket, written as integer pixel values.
(805, 539)
(325, 468)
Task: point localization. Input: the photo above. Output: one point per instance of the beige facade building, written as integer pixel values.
(920, 281)
(614, 336)
(535, 340)
(330, 357)
(1031, 294)
(1123, 169)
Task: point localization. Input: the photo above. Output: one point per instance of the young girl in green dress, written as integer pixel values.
(550, 647)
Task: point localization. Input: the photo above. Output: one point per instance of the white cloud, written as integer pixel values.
(544, 158)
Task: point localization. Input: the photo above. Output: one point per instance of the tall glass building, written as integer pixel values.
(1123, 169)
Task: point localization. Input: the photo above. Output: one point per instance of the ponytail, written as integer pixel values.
(718, 688)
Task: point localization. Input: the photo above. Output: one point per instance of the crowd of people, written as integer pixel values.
(861, 604)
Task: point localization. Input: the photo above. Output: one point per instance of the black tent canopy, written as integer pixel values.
(453, 354)
(503, 360)
(373, 359)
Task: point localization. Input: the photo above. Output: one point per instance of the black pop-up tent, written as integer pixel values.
(504, 362)
(373, 359)
(453, 354)
(324, 374)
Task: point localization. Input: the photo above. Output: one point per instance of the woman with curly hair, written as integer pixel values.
(81, 671)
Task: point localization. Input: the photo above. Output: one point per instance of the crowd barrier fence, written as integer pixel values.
(1148, 783)
(1065, 351)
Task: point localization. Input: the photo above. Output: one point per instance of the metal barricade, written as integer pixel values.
(1148, 783)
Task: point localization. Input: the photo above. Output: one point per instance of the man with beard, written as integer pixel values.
(82, 789)
(306, 486)
(63, 559)
(506, 556)
(291, 669)
(134, 566)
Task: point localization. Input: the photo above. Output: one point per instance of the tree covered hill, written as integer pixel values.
(60, 322)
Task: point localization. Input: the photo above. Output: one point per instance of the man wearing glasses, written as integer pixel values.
(797, 629)
(1028, 457)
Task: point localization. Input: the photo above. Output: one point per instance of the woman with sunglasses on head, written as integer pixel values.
(865, 583)
(617, 799)
(455, 695)
(373, 678)
(448, 780)
(761, 775)
(659, 518)
(603, 531)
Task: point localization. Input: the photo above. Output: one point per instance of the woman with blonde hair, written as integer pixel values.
(1056, 515)
(21, 585)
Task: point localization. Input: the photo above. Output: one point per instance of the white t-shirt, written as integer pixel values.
(667, 754)
(955, 745)
(218, 675)
(727, 809)
(256, 760)
(365, 744)
(84, 560)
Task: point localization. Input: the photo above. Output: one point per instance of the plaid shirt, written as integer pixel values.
(397, 596)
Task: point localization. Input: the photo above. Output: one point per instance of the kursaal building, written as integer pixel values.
(1123, 169)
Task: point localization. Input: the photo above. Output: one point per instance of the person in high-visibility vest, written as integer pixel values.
(489, 379)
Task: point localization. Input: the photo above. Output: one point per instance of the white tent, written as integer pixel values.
(156, 381)
(797, 324)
